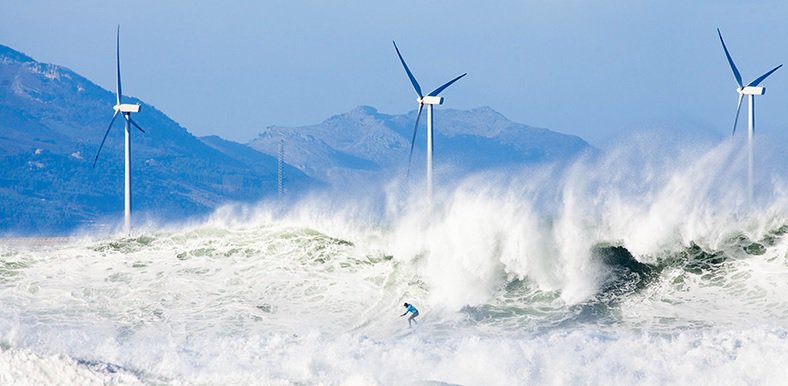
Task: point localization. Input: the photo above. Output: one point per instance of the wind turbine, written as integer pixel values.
(429, 100)
(751, 90)
(125, 109)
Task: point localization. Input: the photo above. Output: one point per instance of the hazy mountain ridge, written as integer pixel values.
(52, 121)
(468, 140)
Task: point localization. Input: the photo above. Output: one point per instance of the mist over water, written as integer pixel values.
(646, 265)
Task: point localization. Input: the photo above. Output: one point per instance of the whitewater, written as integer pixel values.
(639, 266)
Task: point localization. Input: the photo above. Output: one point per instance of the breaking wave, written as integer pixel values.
(529, 272)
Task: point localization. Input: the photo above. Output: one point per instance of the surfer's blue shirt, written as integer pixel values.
(413, 315)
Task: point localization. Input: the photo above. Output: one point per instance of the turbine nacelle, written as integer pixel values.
(430, 100)
(127, 108)
(751, 90)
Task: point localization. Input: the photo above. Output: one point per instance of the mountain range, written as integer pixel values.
(51, 124)
(52, 121)
(367, 142)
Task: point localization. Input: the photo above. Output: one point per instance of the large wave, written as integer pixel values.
(595, 258)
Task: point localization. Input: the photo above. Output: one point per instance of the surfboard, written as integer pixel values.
(404, 332)
(409, 330)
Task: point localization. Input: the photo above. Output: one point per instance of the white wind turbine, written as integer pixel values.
(429, 100)
(126, 110)
(751, 90)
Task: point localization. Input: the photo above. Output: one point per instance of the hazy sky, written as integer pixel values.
(599, 69)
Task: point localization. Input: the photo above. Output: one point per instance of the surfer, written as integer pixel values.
(414, 313)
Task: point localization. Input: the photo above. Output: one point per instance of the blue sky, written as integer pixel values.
(599, 69)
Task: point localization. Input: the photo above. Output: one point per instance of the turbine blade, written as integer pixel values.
(730, 60)
(119, 92)
(410, 74)
(128, 118)
(764, 76)
(413, 140)
(738, 109)
(441, 88)
(105, 137)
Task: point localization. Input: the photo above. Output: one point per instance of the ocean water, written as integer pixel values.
(632, 268)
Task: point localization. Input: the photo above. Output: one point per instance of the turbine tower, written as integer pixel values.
(751, 90)
(280, 175)
(126, 110)
(430, 100)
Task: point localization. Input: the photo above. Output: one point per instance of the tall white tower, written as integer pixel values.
(750, 90)
(280, 176)
(430, 100)
(125, 109)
